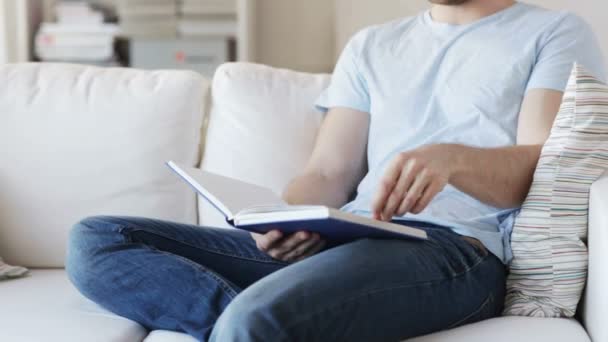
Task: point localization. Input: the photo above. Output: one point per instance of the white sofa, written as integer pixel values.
(78, 141)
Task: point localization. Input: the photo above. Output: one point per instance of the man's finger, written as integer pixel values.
(429, 193)
(316, 248)
(415, 192)
(303, 248)
(389, 209)
(406, 178)
(384, 191)
(379, 201)
(387, 184)
(267, 241)
(289, 244)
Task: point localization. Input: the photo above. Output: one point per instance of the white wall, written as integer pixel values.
(11, 27)
(352, 15)
(17, 18)
(295, 34)
(594, 11)
(8, 31)
(246, 12)
(3, 42)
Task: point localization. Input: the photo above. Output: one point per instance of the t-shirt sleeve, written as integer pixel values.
(571, 41)
(348, 87)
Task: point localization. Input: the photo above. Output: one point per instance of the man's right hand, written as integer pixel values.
(291, 248)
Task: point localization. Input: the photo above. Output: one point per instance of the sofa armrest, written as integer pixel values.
(595, 309)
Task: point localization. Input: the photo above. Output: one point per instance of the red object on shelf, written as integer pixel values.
(180, 57)
(48, 39)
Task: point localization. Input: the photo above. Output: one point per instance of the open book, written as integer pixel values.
(260, 210)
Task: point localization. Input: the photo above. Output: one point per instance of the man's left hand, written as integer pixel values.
(412, 180)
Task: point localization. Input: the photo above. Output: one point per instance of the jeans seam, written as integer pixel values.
(231, 292)
(377, 291)
(207, 249)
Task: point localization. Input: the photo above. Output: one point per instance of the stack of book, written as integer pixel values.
(79, 35)
(207, 18)
(77, 13)
(148, 18)
(208, 7)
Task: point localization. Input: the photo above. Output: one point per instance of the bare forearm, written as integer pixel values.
(316, 189)
(499, 176)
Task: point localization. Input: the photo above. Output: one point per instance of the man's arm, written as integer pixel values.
(498, 176)
(337, 165)
(338, 162)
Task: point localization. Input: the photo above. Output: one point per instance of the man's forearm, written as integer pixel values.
(316, 189)
(499, 176)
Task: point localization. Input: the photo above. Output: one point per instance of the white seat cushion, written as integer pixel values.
(77, 141)
(262, 126)
(46, 307)
(514, 329)
(506, 329)
(168, 336)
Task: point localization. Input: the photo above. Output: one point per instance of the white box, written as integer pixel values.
(201, 55)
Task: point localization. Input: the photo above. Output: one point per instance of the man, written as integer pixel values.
(439, 119)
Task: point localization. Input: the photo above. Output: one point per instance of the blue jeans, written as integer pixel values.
(215, 285)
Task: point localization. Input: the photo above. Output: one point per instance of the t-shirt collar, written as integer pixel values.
(440, 27)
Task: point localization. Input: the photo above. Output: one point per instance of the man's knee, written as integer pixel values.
(87, 242)
(249, 318)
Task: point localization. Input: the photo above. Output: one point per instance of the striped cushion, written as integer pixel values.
(549, 268)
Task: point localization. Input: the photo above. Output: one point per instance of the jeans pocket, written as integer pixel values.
(485, 311)
(479, 248)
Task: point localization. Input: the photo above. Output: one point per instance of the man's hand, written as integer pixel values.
(412, 180)
(291, 248)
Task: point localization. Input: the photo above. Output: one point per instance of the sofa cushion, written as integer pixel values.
(168, 336)
(77, 141)
(506, 329)
(45, 307)
(262, 126)
(549, 268)
(513, 329)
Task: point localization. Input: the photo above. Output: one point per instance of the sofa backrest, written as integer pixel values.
(262, 126)
(77, 141)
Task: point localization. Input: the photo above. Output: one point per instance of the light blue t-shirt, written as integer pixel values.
(425, 82)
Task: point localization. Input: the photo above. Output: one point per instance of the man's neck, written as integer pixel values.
(468, 12)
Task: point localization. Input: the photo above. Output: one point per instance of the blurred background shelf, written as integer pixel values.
(291, 34)
(151, 34)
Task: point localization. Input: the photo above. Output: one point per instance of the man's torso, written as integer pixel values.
(430, 83)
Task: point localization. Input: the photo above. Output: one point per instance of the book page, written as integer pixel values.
(265, 209)
(227, 194)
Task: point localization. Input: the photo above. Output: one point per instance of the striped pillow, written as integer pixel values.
(549, 268)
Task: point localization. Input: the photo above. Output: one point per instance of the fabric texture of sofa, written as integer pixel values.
(78, 141)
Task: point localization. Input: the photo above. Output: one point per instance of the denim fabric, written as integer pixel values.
(215, 285)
